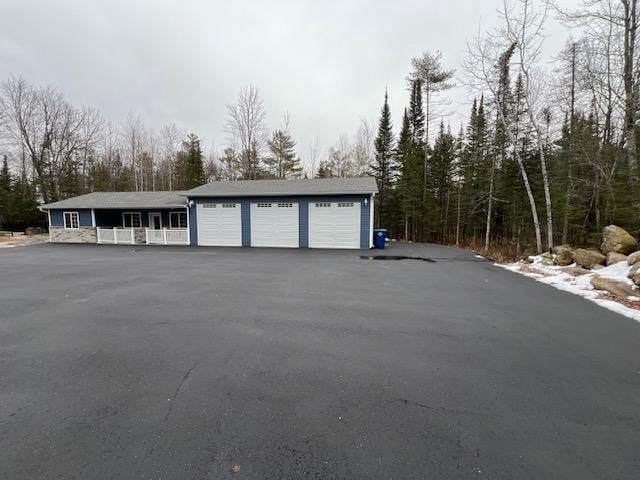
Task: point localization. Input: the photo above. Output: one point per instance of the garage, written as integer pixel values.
(334, 224)
(288, 213)
(275, 224)
(219, 224)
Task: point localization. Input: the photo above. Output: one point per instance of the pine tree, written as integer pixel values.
(283, 161)
(441, 165)
(190, 167)
(5, 193)
(409, 161)
(383, 168)
(416, 113)
(324, 171)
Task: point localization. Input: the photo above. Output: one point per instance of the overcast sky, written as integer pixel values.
(325, 62)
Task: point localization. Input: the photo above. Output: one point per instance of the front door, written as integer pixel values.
(155, 221)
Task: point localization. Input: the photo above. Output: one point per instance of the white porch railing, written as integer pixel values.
(115, 235)
(167, 236)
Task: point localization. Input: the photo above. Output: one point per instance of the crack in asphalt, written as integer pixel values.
(175, 394)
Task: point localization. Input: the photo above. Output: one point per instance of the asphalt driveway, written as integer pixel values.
(178, 363)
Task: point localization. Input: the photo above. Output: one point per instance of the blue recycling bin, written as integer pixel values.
(379, 237)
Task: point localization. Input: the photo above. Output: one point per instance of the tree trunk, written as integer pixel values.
(487, 234)
(458, 218)
(630, 28)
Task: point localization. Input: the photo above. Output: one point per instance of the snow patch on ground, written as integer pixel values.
(580, 285)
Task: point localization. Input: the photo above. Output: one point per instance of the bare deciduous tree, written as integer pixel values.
(246, 128)
(487, 66)
(523, 27)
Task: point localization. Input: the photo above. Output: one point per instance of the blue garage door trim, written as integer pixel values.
(193, 225)
(303, 223)
(303, 212)
(245, 218)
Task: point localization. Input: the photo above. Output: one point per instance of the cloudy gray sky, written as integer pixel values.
(325, 62)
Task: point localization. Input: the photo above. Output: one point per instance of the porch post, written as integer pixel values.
(115, 236)
(164, 235)
(188, 227)
(146, 236)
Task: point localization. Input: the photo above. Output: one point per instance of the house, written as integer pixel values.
(309, 213)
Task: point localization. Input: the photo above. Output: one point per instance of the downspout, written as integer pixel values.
(371, 219)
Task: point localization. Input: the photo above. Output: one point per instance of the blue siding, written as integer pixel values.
(303, 223)
(113, 218)
(84, 216)
(303, 210)
(365, 228)
(246, 222)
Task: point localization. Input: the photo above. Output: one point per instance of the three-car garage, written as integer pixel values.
(317, 213)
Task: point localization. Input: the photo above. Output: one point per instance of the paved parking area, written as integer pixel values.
(179, 363)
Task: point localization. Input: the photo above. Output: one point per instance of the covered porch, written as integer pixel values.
(142, 226)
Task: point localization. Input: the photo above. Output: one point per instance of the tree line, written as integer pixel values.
(545, 157)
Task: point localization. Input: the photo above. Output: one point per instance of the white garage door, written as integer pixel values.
(274, 224)
(334, 224)
(219, 224)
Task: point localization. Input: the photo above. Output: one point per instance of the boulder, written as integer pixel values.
(588, 258)
(634, 274)
(547, 259)
(613, 257)
(616, 239)
(564, 255)
(575, 271)
(614, 287)
(634, 258)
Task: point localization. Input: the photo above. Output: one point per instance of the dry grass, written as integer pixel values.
(500, 253)
(633, 304)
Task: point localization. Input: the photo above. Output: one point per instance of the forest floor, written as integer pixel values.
(561, 279)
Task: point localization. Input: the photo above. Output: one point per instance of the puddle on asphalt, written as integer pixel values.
(396, 257)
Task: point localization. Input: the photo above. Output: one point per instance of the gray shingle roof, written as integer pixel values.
(312, 186)
(242, 188)
(122, 200)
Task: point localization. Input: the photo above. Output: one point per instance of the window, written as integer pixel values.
(264, 205)
(285, 205)
(323, 205)
(178, 220)
(345, 204)
(208, 205)
(228, 205)
(71, 220)
(131, 220)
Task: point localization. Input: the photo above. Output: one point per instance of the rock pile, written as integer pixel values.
(617, 246)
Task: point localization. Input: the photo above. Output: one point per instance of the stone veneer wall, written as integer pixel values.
(139, 235)
(81, 235)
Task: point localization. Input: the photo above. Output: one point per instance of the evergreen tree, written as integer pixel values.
(409, 160)
(383, 168)
(324, 171)
(283, 161)
(190, 167)
(5, 193)
(441, 167)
